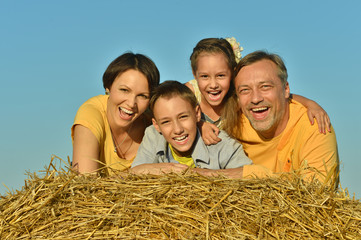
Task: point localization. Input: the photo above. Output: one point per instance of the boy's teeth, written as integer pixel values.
(259, 109)
(180, 138)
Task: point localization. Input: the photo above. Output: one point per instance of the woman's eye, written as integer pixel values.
(143, 96)
(123, 90)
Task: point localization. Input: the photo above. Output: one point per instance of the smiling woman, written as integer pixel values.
(108, 129)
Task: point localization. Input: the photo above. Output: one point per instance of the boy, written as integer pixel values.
(174, 144)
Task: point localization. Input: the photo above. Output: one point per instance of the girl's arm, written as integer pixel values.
(209, 132)
(85, 150)
(314, 110)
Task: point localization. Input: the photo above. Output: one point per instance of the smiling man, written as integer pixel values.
(273, 128)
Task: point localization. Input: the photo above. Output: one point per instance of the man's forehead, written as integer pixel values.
(261, 72)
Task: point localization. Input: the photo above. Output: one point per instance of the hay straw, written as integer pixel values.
(63, 205)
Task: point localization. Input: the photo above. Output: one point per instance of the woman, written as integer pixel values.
(108, 129)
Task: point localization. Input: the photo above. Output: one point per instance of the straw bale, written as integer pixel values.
(59, 204)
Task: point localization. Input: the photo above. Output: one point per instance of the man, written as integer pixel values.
(273, 128)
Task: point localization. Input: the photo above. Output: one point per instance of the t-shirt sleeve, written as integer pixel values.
(231, 153)
(89, 116)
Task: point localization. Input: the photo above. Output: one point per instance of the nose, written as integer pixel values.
(213, 83)
(177, 128)
(256, 97)
(132, 101)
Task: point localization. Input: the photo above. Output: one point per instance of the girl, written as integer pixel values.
(213, 61)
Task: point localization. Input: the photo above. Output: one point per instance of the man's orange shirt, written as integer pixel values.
(300, 144)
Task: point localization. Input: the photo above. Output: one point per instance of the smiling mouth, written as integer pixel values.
(259, 109)
(181, 139)
(126, 111)
(214, 95)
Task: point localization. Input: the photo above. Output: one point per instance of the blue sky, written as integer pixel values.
(53, 55)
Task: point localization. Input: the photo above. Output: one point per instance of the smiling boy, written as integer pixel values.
(173, 143)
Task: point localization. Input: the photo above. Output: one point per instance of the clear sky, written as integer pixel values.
(53, 55)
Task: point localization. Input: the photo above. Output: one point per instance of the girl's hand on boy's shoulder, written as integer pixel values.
(209, 133)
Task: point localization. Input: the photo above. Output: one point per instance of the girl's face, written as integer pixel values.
(213, 76)
(128, 98)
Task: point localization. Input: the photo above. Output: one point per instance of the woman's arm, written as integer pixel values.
(314, 110)
(85, 150)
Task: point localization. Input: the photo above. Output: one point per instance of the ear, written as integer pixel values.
(107, 91)
(287, 90)
(156, 126)
(198, 113)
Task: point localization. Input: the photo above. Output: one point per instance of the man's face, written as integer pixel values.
(263, 98)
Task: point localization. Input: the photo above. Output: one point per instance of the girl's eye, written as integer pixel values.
(204, 76)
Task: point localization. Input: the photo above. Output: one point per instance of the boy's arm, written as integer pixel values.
(158, 168)
(147, 151)
(147, 161)
(231, 156)
(231, 153)
(314, 110)
(229, 173)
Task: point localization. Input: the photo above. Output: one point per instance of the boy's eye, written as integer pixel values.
(204, 76)
(164, 122)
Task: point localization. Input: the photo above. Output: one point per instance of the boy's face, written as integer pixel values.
(176, 120)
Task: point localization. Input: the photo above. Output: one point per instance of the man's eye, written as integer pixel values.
(183, 116)
(266, 87)
(244, 91)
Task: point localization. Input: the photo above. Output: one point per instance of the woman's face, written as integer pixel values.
(128, 98)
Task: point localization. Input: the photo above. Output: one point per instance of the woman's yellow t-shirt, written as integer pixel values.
(92, 115)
